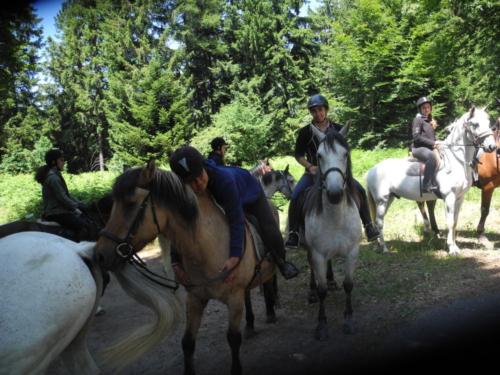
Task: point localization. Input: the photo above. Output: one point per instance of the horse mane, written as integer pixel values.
(166, 190)
(314, 200)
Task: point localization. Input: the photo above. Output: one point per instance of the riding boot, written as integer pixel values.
(371, 230)
(288, 270)
(293, 224)
(428, 185)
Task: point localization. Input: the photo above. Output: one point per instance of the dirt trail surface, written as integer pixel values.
(444, 332)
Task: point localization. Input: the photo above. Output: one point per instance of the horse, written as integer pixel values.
(489, 179)
(50, 292)
(278, 180)
(149, 201)
(397, 177)
(332, 226)
(96, 215)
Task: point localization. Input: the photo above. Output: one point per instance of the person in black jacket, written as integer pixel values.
(424, 143)
(306, 148)
(219, 147)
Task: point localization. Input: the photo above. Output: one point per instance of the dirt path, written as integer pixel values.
(384, 339)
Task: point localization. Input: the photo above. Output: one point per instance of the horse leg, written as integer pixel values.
(449, 203)
(194, 312)
(431, 205)
(348, 285)
(235, 305)
(319, 266)
(249, 316)
(270, 292)
(486, 194)
(381, 209)
(332, 285)
(421, 207)
(313, 290)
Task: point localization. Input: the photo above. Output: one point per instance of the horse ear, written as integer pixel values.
(345, 129)
(148, 172)
(471, 113)
(286, 169)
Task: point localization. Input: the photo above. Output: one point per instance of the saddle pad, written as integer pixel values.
(416, 168)
(260, 249)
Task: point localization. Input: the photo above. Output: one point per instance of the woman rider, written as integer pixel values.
(58, 204)
(237, 192)
(424, 143)
(306, 148)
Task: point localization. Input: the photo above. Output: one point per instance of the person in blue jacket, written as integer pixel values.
(237, 192)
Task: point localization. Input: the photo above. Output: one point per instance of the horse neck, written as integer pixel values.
(271, 188)
(199, 247)
(459, 151)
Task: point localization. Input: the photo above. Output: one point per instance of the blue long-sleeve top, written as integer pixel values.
(233, 188)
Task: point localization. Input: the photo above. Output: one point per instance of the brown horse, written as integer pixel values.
(149, 202)
(489, 180)
(96, 215)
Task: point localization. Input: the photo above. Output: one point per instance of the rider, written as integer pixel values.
(306, 148)
(424, 143)
(58, 204)
(238, 193)
(219, 148)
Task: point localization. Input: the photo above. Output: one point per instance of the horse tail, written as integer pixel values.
(371, 201)
(166, 307)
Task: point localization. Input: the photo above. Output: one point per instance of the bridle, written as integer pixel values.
(329, 170)
(124, 248)
(126, 251)
(477, 139)
(285, 184)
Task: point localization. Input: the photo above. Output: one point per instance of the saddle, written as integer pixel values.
(417, 167)
(255, 231)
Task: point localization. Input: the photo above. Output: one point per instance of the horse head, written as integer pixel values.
(144, 201)
(334, 163)
(477, 128)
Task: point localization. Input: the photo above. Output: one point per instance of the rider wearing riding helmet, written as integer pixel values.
(237, 192)
(58, 204)
(306, 148)
(424, 142)
(219, 147)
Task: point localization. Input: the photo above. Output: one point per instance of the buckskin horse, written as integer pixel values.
(149, 202)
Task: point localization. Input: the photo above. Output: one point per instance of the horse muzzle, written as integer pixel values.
(334, 196)
(490, 147)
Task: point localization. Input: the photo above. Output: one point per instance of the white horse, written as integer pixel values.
(332, 222)
(50, 290)
(394, 177)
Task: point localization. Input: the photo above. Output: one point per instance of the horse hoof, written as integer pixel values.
(313, 298)
(322, 334)
(271, 319)
(454, 251)
(348, 328)
(483, 241)
(332, 285)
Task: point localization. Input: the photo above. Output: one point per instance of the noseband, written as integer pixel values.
(332, 169)
(477, 140)
(124, 248)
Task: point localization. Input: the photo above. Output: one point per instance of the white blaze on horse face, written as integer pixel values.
(479, 126)
(332, 158)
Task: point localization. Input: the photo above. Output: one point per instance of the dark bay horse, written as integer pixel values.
(149, 202)
(96, 215)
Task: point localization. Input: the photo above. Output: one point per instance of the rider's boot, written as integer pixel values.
(288, 270)
(371, 230)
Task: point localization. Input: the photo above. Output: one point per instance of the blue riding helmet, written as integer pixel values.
(317, 101)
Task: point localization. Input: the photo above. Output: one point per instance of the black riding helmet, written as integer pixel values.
(52, 155)
(316, 101)
(187, 163)
(217, 143)
(422, 101)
